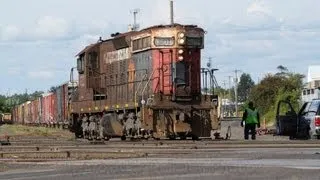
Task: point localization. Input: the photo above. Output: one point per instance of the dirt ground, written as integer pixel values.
(18, 131)
(237, 132)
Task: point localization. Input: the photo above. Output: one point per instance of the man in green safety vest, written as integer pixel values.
(251, 119)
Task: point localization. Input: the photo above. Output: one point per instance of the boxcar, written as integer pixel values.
(5, 118)
(48, 109)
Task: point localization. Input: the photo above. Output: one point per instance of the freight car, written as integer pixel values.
(144, 84)
(50, 109)
(5, 118)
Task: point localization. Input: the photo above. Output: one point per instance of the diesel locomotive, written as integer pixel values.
(144, 84)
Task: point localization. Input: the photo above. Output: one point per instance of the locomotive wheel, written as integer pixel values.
(183, 137)
(172, 137)
(123, 138)
(195, 138)
(78, 135)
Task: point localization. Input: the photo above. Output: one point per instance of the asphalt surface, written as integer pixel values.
(258, 163)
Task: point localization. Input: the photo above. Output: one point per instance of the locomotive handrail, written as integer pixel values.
(142, 117)
(212, 76)
(147, 83)
(135, 94)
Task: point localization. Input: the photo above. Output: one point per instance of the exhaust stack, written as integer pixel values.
(171, 12)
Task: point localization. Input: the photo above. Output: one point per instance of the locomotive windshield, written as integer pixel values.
(194, 41)
(80, 64)
(181, 73)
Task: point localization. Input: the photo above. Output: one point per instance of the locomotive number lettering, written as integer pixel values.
(117, 55)
(164, 41)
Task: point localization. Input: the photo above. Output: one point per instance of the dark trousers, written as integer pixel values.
(252, 129)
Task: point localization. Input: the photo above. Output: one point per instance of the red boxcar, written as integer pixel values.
(35, 111)
(48, 109)
(20, 114)
(27, 116)
(14, 113)
(61, 95)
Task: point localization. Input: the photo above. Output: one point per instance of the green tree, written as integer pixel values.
(7, 103)
(275, 87)
(52, 89)
(220, 91)
(36, 95)
(245, 85)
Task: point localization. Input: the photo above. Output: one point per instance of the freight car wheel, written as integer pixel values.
(78, 135)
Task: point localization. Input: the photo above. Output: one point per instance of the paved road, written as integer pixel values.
(259, 163)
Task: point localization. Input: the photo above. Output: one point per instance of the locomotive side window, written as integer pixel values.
(135, 45)
(146, 42)
(80, 64)
(93, 60)
(142, 43)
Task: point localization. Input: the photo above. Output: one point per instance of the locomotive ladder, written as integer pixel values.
(170, 69)
(168, 73)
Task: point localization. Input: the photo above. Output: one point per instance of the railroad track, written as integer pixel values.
(231, 119)
(45, 149)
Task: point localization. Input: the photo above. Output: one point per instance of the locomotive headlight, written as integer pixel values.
(181, 35)
(180, 58)
(181, 41)
(180, 51)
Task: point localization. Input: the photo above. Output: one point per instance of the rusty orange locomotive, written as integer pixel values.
(147, 84)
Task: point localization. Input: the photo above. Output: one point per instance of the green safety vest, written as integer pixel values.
(252, 116)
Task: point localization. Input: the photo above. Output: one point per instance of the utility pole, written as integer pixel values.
(230, 85)
(210, 78)
(224, 88)
(236, 90)
(224, 98)
(229, 109)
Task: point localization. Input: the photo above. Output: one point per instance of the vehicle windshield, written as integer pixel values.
(314, 107)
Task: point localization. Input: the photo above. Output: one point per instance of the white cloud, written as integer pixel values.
(226, 20)
(41, 74)
(254, 37)
(51, 27)
(14, 70)
(258, 6)
(9, 32)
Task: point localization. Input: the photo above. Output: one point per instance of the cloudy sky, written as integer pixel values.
(38, 39)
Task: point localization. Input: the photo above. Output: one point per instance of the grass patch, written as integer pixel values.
(21, 130)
